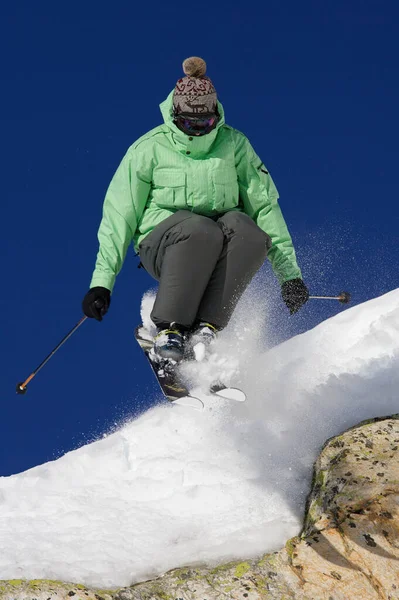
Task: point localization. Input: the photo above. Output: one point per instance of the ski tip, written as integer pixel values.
(231, 393)
(189, 401)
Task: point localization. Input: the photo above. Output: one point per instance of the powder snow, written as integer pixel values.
(177, 487)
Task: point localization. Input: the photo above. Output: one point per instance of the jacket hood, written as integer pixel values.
(201, 144)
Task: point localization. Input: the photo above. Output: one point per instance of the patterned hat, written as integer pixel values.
(194, 93)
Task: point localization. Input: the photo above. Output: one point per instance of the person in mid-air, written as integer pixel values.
(202, 211)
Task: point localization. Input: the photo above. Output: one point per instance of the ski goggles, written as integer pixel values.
(196, 124)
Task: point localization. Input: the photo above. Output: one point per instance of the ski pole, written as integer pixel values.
(344, 297)
(22, 387)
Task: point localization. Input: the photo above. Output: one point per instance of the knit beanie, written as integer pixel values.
(194, 93)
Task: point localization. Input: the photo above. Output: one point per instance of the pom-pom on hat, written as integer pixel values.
(194, 93)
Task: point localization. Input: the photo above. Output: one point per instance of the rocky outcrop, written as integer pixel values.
(348, 549)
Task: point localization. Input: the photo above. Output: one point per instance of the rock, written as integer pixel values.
(44, 589)
(348, 549)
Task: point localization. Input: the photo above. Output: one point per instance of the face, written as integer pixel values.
(195, 125)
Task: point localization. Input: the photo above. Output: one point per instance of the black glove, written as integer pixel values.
(96, 303)
(295, 294)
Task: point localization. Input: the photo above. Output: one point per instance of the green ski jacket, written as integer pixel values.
(165, 170)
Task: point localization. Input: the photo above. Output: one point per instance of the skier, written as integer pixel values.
(202, 211)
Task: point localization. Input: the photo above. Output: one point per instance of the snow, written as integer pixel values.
(178, 487)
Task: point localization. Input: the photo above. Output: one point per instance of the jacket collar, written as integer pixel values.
(195, 146)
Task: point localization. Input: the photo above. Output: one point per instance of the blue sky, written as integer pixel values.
(313, 85)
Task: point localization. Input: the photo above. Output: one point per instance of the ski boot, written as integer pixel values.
(200, 341)
(169, 344)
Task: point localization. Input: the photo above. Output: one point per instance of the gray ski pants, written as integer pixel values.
(203, 265)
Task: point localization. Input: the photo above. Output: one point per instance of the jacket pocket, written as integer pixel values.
(225, 189)
(169, 188)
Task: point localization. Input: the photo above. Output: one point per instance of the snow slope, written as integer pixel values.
(177, 486)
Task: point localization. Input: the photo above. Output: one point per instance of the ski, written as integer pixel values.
(166, 374)
(229, 393)
(171, 384)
